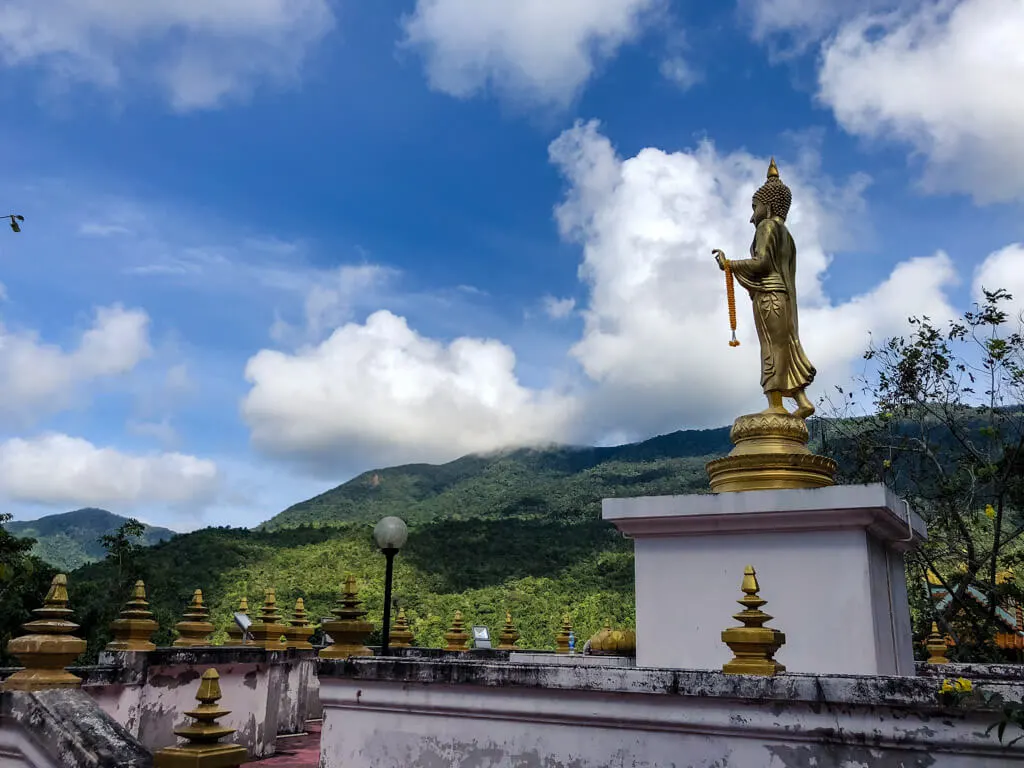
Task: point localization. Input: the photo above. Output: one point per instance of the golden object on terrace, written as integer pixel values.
(753, 645)
(299, 631)
(204, 750)
(562, 638)
(268, 631)
(509, 634)
(196, 628)
(134, 628)
(236, 637)
(456, 636)
(937, 646)
(400, 635)
(49, 646)
(348, 630)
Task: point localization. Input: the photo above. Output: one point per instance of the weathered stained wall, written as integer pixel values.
(150, 692)
(64, 729)
(393, 713)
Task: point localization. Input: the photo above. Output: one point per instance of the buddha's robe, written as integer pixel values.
(769, 276)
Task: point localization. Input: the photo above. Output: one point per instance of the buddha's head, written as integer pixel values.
(772, 199)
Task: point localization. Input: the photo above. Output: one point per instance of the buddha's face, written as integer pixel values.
(760, 212)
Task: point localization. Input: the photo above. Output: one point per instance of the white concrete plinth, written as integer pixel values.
(829, 561)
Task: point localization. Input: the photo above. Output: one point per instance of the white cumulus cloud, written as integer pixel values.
(944, 77)
(656, 324)
(198, 52)
(535, 50)
(558, 309)
(56, 469)
(805, 20)
(37, 377)
(653, 354)
(1002, 269)
(380, 393)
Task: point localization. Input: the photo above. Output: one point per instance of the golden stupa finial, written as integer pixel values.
(235, 634)
(509, 634)
(773, 170)
(456, 637)
(937, 646)
(49, 646)
(348, 630)
(195, 628)
(299, 631)
(204, 748)
(135, 626)
(400, 635)
(753, 644)
(268, 632)
(562, 638)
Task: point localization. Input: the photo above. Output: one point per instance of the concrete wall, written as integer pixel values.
(266, 692)
(825, 557)
(399, 713)
(64, 729)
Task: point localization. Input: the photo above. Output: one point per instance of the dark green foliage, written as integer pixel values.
(520, 530)
(24, 580)
(561, 483)
(945, 428)
(72, 539)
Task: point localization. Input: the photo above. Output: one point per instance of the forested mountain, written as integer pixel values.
(557, 483)
(519, 530)
(71, 539)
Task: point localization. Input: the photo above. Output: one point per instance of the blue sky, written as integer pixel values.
(270, 245)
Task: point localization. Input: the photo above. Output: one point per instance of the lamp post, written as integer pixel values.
(390, 535)
(15, 218)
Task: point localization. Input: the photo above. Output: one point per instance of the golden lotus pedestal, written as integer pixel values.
(770, 453)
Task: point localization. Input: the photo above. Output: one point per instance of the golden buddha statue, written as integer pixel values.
(771, 446)
(769, 276)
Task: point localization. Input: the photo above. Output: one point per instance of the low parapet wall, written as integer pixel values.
(396, 713)
(268, 692)
(64, 729)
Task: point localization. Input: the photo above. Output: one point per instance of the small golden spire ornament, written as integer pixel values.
(753, 644)
(236, 637)
(196, 627)
(509, 634)
(49, 646)
(400, 635)
(135, 626)
(268, 631)
(562, 638)
(348, 630)
(299, 631)
(937, 646)
(456, 636)
(204, 750)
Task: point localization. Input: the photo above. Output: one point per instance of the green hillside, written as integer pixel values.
(70, 540)
(559, 483)
(519, 531)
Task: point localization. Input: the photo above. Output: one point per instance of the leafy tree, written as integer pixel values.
(944, 425)
(123, 547)
(23, 583)
(98, 607)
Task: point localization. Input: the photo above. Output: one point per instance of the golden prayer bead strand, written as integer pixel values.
(730, 294)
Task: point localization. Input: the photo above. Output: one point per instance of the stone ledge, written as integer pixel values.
(874, 508)
(72, 730)
(896, 692)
